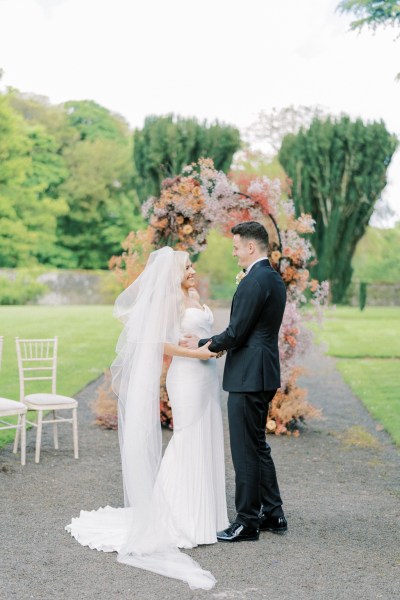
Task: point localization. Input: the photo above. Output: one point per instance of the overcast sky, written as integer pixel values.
(213, 59)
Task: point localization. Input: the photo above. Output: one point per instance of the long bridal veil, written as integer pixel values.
(151, 311)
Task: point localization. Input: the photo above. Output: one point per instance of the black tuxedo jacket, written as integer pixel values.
(251, 338)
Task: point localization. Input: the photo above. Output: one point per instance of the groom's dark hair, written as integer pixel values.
(251, 230)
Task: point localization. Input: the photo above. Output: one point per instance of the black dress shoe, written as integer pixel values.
(238, 533)
(274, 524)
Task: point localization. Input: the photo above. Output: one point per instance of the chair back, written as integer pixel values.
(37, 361)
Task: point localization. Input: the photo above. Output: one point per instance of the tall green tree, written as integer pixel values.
(82, 160)
(43, 205)
(92, 121)
(100, 200)
(15, 240)
(37, 110)
(166, 144)
(28, 211)
(338, 168)
(103, 204)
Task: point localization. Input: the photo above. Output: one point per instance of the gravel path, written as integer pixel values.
(341, 500)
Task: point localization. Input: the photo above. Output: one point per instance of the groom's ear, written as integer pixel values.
(251, 246)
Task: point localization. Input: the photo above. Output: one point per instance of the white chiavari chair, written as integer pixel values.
(37, 361)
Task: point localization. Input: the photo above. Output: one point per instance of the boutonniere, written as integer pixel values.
(241, 275)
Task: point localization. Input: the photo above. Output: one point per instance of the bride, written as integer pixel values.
(177, 501)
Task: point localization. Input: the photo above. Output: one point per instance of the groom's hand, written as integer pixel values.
(189, 341)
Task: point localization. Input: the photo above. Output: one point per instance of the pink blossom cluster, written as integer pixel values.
(221, 195)
(267, 192)
(288, 339)
(190, 204)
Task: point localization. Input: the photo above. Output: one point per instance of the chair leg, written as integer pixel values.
(55, 432)
(75, 432)
(23, 439)
(38, 435)
(16, 439)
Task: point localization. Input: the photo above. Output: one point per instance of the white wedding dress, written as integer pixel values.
(189, 502)
(192, 472)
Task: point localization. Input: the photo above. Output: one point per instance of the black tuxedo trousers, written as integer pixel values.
(255, 476)
(251, 376)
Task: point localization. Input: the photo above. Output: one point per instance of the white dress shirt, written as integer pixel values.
(256, 261)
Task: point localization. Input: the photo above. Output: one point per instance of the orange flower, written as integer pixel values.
(297, 257)
(196, 191)
(179, 219)
(275, 256)
(166, 196)
(187, 229)
(160, 224)
(183, 189)
(198, 204)
(288, 274)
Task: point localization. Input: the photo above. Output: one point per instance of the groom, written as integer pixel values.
(252, 376)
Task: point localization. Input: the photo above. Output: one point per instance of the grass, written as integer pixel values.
(377, 383)
(367, 346)
(86, 345)
(373, 332)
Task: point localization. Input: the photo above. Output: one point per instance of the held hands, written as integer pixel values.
(203, 353)
(192, 342)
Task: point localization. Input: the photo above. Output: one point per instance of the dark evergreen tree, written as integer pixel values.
(338, 169)
(166, 144)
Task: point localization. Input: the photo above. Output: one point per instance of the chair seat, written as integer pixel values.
(11, 407)
(48, 401)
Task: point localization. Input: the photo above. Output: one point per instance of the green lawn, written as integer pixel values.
(367, 346)
(86, 345)
(374, 332)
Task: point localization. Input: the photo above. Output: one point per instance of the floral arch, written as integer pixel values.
(201, 198)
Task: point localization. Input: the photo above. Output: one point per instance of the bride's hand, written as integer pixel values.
(189, 341)
(204, 353)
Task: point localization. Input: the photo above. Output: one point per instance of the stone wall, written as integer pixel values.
(68, 286)
(100, 287)
(78, 287)
(378, 294)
